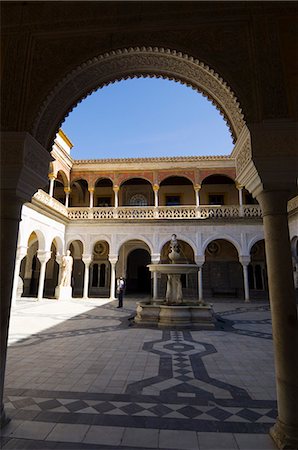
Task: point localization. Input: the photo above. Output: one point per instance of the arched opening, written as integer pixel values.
(175, 191)
(78, 268)
(257, 271)
(59, 185)
(189, 281)
(103, 193)
(52, 273)
(134, 256)
(136, 192)
(218, 190)
(138, 279)
(222, 271)
(100, 270)
(79, 195)
(30, 268)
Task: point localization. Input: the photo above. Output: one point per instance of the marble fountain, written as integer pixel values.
(173, 311)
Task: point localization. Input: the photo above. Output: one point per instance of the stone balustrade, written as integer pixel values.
(165, 212)
(148, 212)
(42, 197)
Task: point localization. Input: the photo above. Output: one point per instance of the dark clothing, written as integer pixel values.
(120, 298)
(120, 291)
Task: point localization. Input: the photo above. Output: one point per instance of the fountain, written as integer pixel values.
(174, 311)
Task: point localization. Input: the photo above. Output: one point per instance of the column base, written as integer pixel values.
(4, 419)
(285, 437)
(63, 292)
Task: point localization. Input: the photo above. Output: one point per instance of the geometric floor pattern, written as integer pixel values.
(189, 382)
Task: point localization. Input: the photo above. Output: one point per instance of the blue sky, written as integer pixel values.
(146, 117)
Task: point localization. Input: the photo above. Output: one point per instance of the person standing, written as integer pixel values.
(120, 291)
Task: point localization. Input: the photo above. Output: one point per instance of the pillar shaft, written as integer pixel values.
(66, 199)
(24, 169)
(87, 261)
(51, 189)
(43, 258)
(200, 283)
(245, 282)
(116, 191)
(284, 314)
(113, 281)
(9, 230)
(91, 198)
(155, 294)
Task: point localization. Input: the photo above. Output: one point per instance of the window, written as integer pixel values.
(172, 200)
(216, 199)
(138, 200)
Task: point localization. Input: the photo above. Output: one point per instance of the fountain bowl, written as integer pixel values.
(184, 315)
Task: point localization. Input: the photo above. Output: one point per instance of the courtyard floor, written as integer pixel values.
(80, 376)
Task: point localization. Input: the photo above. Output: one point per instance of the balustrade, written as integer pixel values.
(150, 212)
(42, 197)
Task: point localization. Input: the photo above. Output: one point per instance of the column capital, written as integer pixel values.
(238, 185)
(87, 259)
(116, 188)
(43, 256)
(199, 260)
(197, 187)
(52, 176)
(113, 259)
(155, 258)
(91, 189)
(67, 190)
(155, 187)
(244, 260)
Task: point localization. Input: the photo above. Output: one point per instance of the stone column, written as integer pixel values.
(200, 261)
(87, 259)
(245, 260)
(116, 191)
(197, 188)
(155, 260)
(284, 314)
(24, 169)
(155, 286)
(67, 193)
(21, 253)
(91, 194)
(113, 262)
(155, 190)
(43, 259)
(52, 179)
(240, 193)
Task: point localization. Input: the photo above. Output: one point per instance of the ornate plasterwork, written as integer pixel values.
(244, 156)
(129, 63)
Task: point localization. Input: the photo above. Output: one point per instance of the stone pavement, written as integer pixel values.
(81, 376)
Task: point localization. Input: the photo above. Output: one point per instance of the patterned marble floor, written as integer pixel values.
(80, 375)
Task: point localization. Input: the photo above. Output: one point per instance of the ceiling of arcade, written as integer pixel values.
(250, 44)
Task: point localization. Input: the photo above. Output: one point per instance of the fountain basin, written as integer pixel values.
(182, 315)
